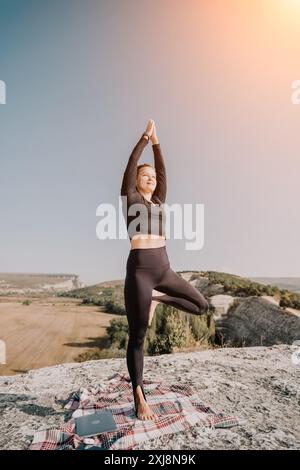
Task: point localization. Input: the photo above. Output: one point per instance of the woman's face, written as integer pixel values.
(146, 179)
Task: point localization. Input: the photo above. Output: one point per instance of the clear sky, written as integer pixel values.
(82, 79)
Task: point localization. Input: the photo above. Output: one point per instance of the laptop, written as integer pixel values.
(96, 423)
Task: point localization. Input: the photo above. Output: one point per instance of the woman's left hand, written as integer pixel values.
(154, 138)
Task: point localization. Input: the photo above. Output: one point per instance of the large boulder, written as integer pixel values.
(255, 321)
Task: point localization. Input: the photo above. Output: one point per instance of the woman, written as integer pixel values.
(148, 268)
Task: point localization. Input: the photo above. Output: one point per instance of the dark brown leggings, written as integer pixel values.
(148, 269)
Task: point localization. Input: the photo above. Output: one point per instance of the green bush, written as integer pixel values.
(199, 327)
(96, 354)
(118, 332)
(289, 299)
(171, 331)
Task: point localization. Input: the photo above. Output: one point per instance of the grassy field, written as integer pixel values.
(48, 331)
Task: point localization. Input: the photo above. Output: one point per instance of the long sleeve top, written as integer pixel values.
(152, 218)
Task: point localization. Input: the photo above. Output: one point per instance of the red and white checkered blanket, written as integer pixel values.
(177, 405)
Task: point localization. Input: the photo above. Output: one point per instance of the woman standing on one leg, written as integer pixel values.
(149, 277)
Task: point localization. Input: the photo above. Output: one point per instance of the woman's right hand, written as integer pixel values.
(153, 137)
(149, 128)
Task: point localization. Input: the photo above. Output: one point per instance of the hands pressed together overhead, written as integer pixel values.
(151, 131)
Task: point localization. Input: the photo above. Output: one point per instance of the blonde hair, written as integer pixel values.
(139, 167)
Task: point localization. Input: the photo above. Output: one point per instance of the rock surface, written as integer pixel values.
(260, 385)
(258, 322)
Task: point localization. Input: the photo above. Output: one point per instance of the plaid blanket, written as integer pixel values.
(177, 405)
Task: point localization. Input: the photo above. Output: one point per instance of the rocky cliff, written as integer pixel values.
(260, 385)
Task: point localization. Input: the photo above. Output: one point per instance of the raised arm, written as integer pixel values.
(161, 179)
(129, 178)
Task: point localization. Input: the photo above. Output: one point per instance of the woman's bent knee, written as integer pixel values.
(203, 305)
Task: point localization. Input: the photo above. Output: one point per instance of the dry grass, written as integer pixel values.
(48, 331)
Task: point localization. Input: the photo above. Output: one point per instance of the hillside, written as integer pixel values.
(245, 312)
(90, 322)
(208, 282)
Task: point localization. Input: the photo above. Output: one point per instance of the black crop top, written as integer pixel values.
(140, 215)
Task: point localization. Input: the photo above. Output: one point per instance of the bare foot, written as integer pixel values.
(144, 411)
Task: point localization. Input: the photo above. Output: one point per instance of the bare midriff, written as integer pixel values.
(147, 241)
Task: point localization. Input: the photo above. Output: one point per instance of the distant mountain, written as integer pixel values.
(32, 283)
(289, 283)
